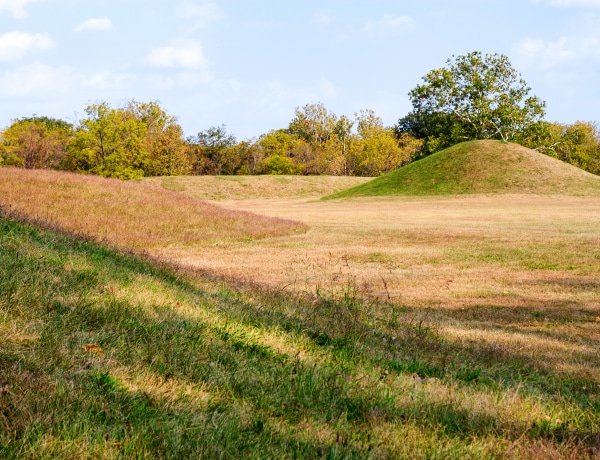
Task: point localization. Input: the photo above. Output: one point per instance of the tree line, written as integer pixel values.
(475, 96)
(140, 139)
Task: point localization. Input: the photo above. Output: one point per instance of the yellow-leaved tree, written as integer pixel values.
(35, 143)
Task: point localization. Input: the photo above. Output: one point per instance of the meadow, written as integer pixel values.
(456, 326)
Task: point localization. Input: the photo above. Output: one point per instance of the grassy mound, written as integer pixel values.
(480, 167)
(129, 214)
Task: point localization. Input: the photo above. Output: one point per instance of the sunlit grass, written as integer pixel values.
(129, 214)
(219, 188)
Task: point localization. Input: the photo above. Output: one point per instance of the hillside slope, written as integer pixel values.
(480, 167)
(129, 214)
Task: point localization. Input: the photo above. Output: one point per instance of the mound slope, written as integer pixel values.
(129, 214)
(482, 167)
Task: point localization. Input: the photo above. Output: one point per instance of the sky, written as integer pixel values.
(250, 64)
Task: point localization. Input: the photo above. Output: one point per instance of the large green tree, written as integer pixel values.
(109, 142)
(136, 140)
(475, 96)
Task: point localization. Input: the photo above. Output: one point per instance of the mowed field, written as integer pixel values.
(511, 270)
(382, 327)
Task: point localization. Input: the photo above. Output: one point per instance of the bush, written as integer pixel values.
(279, 165)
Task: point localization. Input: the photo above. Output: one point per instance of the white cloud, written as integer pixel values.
(554, 53)
(185, 79)
(551, 53)
(37, 81)
(186, 55)
(104, 80)
(16, 7)
(94, 24)
(15, 45)
(387, 23)
(201, 14)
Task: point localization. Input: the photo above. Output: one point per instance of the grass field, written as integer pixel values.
(383, 327)
(516, 270)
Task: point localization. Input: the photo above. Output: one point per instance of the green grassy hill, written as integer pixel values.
(481, 167)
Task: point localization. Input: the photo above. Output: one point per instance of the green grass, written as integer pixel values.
(481, 167)
(193, 368)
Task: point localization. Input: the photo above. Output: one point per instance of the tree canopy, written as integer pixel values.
(475, 96)
(136, 140)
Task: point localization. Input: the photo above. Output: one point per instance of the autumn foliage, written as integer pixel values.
(141, 139)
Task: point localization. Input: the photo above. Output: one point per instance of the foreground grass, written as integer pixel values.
(106, 355)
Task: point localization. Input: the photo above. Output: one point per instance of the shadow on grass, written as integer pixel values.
(57, 291)
(415, 345)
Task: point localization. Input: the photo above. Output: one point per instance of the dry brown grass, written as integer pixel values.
(129, 214)
(248, 187)
(519, 272)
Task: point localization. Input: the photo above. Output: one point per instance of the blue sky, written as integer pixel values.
(249, 64)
